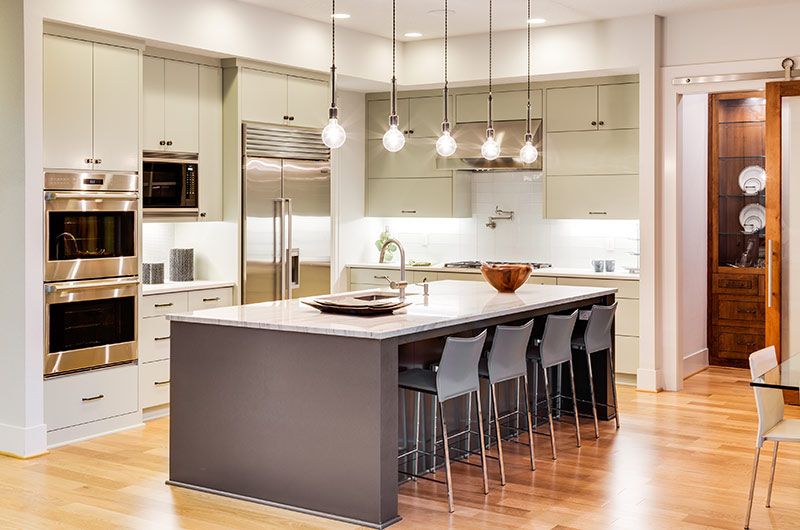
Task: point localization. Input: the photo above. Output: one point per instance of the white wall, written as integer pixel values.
(693, 138)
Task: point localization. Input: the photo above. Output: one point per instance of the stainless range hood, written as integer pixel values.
(510, 135)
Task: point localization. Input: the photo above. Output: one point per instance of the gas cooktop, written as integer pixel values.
(477, 264)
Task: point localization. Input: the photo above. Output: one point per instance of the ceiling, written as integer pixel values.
(470, 16)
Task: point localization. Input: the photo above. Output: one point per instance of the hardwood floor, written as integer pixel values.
(680, 460)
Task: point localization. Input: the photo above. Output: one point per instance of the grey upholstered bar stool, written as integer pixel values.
(457, 376)
(598, 337)
(507, 361)
(553, 350)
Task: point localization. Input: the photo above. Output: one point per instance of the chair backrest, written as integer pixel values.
(598, 330)
(458, 369)
(556, 347)
(507, 357)
(769, 401)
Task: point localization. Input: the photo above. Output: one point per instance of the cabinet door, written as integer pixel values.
(378, 117)
(67, 103)
(404, 197)
(263, 96)
(416, 159)
(618, 106)
(611, 152)
(514, 105)
(308, 102)
(210, 143)
(425, 116)
(153, 103)
(181, 106)
(572, 109)
(593, 197)
(116, 108)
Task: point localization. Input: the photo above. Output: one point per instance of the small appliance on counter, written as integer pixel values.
(152, 273)
(181, 264)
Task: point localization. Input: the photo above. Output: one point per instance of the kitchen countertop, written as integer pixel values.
(549, 271)
(177, 287)
(451, 302)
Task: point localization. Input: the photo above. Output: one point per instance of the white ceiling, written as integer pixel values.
(470, 16)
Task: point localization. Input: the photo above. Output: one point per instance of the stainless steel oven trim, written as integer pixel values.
(86, 358)
(75, 181)
(90, 201)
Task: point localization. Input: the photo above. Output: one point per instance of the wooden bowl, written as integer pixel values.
(506, 278)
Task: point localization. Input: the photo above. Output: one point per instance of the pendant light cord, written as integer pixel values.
(490, 121)
(529, 68)
(394, 48)
(445, 62)
(333, 54)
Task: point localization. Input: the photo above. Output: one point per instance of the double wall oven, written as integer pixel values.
(91, 251)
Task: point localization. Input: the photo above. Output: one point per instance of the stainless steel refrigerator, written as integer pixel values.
(286, 213)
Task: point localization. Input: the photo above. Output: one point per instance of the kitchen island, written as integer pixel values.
(280, 404)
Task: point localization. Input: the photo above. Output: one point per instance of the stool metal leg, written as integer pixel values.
(535, 394)
(752, 488)
(446, 442)
(528, 416)
(417, 421)
(516, 416)
(488, 440)
(591, 391)
(575, 404)
(433, 438)
(469, 424)
(613, 384)
(772, 472)
(493, 406)
(483, 449)
(549, 412)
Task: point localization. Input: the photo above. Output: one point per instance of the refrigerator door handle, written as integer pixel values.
(280, 253)
(288, 250)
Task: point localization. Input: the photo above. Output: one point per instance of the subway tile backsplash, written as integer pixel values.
(527, 237)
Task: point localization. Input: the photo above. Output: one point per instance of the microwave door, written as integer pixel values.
(263, 271)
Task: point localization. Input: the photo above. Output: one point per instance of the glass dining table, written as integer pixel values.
(785, 376)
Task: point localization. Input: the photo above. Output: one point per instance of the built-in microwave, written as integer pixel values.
(169, 183)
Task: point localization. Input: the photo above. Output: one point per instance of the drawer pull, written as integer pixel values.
(598, 213)
(733, 284)
(161, 338)
(746, 311)
(215, 299)
(168, 304)
(93, 398)
(408, 211)
(161, 383)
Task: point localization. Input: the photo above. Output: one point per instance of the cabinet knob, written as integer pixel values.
(169, 142)
(601, 122)
(285, 116)
(594, 123)
(202, 214)
(411, 131)
(291, 118)
(98, 160)
(162, 142)
(88, 160)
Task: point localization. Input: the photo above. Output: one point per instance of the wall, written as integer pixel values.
(213, 260)
(693, 138)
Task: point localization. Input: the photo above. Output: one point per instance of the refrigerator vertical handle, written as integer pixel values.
(280, 253)
(290, 280)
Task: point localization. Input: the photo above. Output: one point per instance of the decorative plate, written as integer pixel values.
(362, 311)
(752, 180)
(752, 218)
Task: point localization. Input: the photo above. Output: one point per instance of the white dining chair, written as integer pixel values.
(772, 426)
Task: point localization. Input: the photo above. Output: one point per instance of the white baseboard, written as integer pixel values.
(23, 442)
(87, 431)
(649, 380)
(695, 362)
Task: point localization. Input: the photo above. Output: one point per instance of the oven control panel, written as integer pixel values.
(90, 181)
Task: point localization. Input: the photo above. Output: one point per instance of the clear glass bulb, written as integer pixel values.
(333, 135)
(393, 140)
(446, 144)
(490, 148)
(528, 153)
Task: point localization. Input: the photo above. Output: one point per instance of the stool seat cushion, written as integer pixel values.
(418, 379)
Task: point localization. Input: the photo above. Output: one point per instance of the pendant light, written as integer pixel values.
(333, 135)
(490, 149)
(394, 140)
(446, 144)
(528, 154)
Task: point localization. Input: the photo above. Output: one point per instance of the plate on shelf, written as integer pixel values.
(752, 218)
(752, 180)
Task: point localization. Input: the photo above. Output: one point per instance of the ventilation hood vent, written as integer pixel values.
(509, 134)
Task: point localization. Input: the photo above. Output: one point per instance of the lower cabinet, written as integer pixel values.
(154, 384)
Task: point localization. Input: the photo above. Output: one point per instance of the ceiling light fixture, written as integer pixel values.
(412, 34)
(446, 144)
(394, 140)
(536, 20)
(341, 16)
(529, 153)
(333, 135)
(490, 149)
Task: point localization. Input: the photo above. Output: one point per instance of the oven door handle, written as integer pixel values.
(110, 195)
(98, 284)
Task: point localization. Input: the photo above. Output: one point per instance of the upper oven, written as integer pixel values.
(169, 185)
(91, 226)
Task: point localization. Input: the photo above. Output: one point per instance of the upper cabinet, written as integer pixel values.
(512, 105)
(171, 112)
(271, 97)
(210, 143)
(618, 106)
(591, 108)
(419, 117)
(91, 105)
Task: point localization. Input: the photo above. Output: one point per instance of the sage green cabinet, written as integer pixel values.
(591, 108)
(618, 106)
(418, 197)
(418, 117)
(308, 101)
(510, 105)
(593, 197)
(378, 117)
(272, 97)
(170, 105)
(606, 152)
(416, 159)
(210, 143)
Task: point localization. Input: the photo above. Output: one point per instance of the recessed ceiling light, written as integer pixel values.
(413, 34)
(537, 20)
(340, 15)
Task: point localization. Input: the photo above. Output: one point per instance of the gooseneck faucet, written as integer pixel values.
(402, 284)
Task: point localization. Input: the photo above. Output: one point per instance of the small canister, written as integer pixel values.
(181, 264)
(152, 273)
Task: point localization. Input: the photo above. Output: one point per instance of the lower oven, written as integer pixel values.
(90, 324)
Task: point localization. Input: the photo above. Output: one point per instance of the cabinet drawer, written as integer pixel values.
(163, 304)
(626, 355)
(209, 298)
(90, 396)
(750, 312)
(741, 284)
(154, 339)
(542, 280)
(373, 277)
(625, 288)
(627, 317)
(154, 384)
(735, 344)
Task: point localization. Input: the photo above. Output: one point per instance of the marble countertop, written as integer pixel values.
(450, 303)
(549, 271)
(177, 287)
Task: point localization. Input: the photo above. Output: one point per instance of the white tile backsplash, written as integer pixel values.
(527, 237)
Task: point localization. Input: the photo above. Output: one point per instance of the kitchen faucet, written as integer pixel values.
(402, 284)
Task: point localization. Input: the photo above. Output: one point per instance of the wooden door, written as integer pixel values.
(181, 104)
(308, 101)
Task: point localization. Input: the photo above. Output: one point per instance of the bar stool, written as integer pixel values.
(553, 350)
(507, 361)
(457, 376)
(598, 337)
